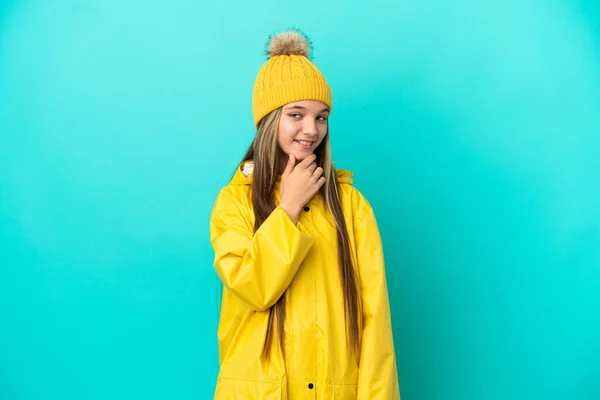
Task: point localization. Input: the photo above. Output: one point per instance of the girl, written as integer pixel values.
(305, 311)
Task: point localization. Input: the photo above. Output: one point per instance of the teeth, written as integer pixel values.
(304, 142)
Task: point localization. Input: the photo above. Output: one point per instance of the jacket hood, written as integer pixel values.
(243, 175)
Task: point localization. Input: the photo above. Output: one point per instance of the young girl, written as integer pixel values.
(305, 310)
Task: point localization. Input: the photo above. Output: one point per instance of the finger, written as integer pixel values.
(317, 173)
(312, 167)
(290, 165)
(307, 161)
(321, 181)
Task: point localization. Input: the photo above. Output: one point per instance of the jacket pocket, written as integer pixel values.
(240, 389)
(344, 391)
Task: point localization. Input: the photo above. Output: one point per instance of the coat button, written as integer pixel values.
(310, 386)
(307, 208)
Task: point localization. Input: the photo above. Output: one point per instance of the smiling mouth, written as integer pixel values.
(306, 143)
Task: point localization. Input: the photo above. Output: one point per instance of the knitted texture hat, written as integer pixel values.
(287, 76)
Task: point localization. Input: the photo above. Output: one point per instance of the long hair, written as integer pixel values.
(265, 153)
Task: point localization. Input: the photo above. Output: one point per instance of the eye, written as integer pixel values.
(322, 118)
(295, 115)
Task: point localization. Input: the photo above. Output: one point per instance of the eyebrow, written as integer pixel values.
(299, 107)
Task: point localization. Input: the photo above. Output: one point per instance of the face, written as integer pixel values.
(302, 127)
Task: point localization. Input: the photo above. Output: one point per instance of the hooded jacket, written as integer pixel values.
(299, 261)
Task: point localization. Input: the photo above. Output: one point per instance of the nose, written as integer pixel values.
(309, 127)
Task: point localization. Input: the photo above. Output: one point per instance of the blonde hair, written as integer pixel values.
(265, 153)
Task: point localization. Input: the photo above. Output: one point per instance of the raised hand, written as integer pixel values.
(299, 183)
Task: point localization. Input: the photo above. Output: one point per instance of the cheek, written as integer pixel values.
(322, 132)
(287, 131)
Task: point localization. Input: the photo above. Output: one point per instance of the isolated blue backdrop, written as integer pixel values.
(472, 127)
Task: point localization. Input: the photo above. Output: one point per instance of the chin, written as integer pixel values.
(301, 155)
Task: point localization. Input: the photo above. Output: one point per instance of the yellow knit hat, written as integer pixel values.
(287, 76)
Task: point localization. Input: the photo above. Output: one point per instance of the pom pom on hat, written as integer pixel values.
(292, 42)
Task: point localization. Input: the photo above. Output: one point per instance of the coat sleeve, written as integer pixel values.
(256, 266)
(377, 374)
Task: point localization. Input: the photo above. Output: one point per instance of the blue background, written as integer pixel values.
(472, 127)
